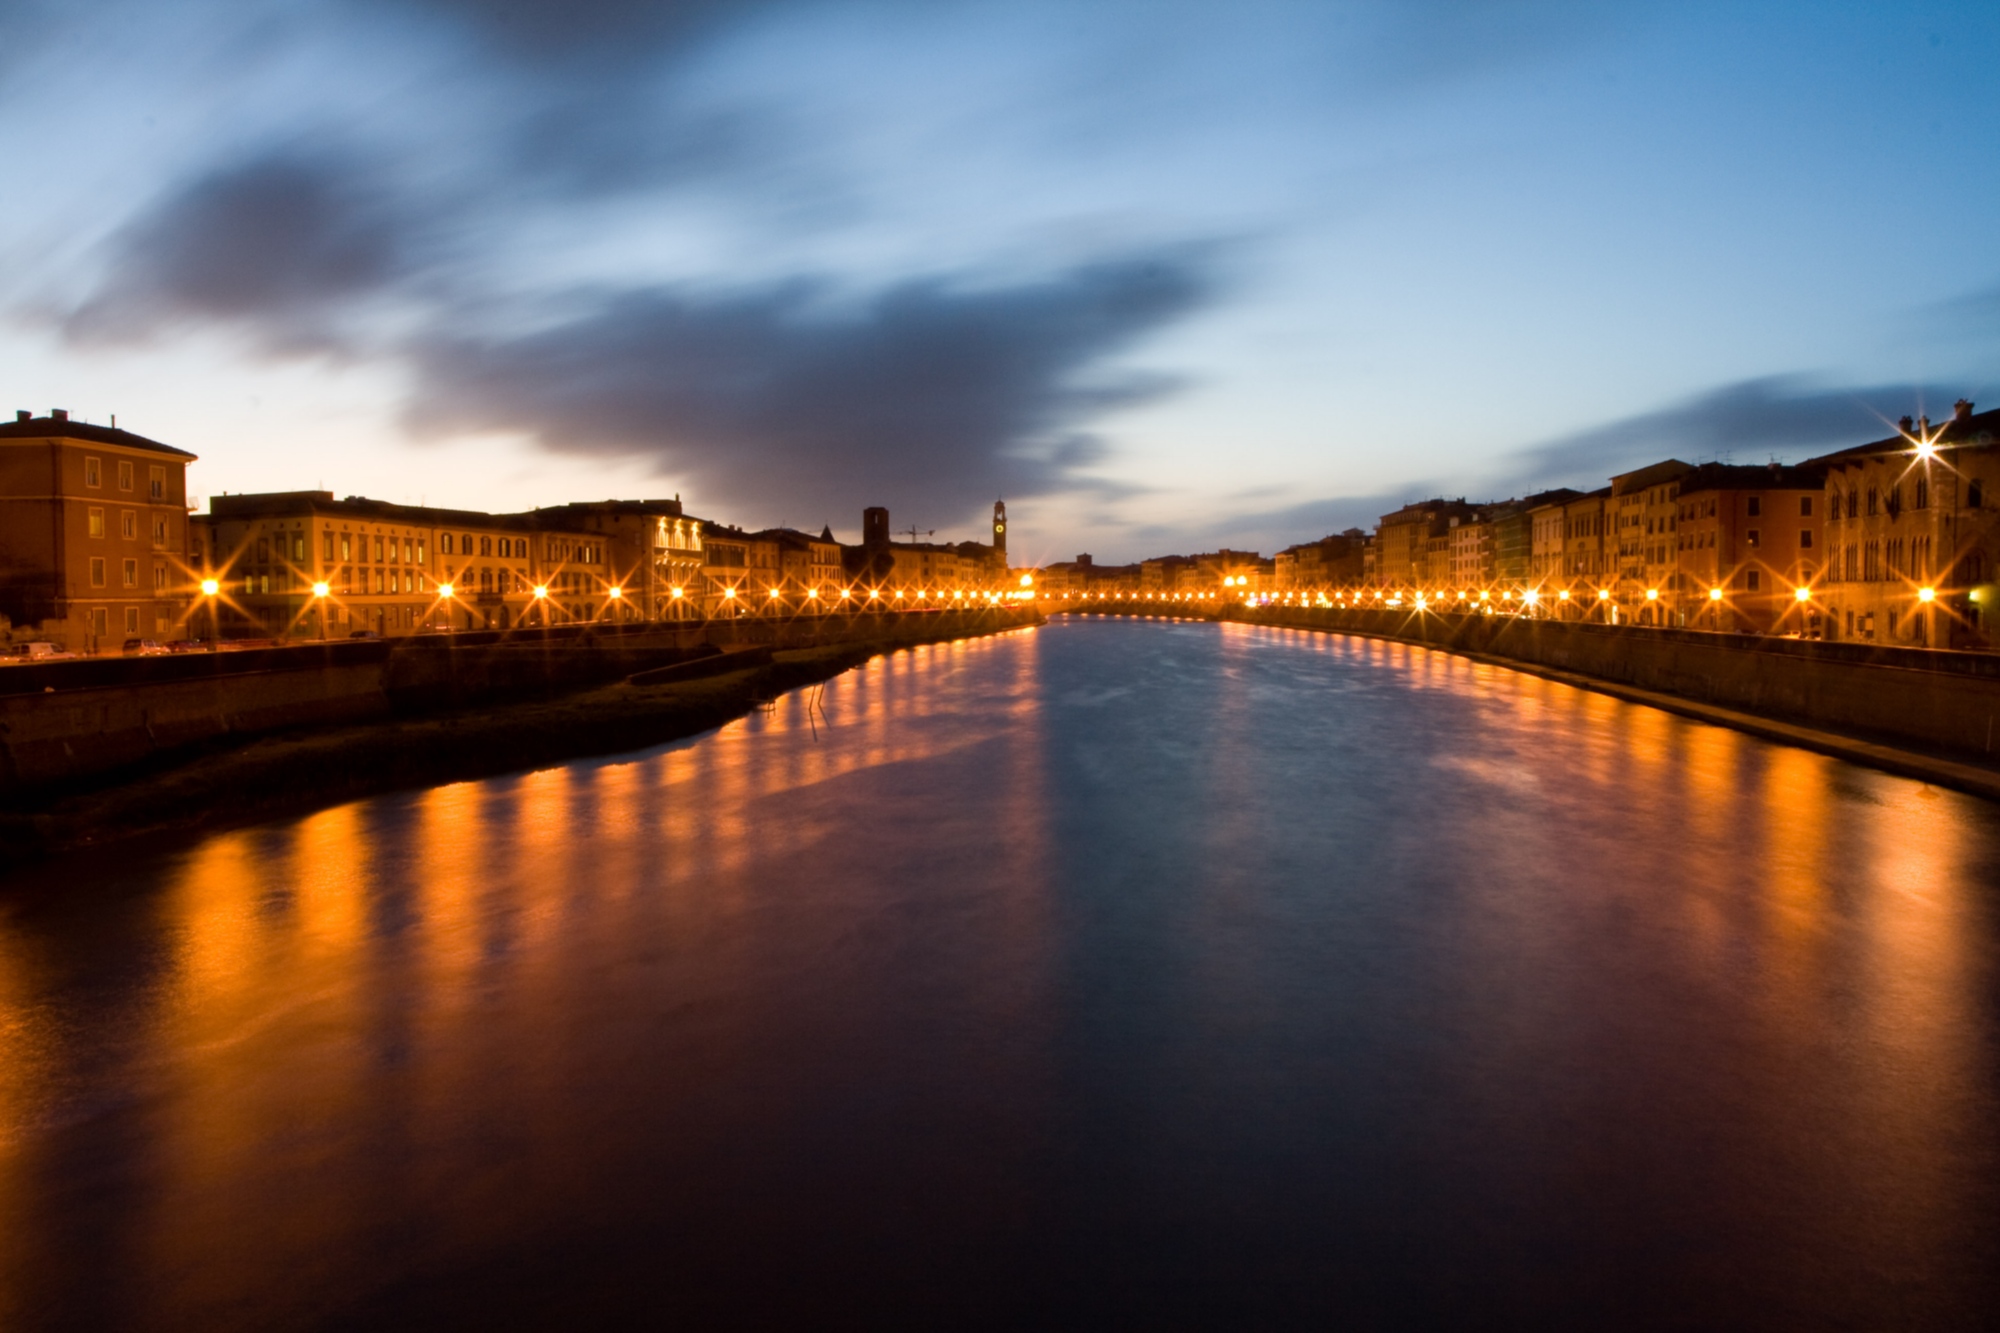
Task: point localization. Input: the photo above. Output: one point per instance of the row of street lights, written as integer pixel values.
(1530, 597)
(848, 598)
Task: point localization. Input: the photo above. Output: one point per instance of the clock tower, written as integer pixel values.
(1000, 530)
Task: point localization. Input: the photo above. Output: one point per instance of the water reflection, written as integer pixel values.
(1205, 972)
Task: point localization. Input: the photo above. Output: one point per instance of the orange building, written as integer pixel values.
(302, 564)
(1746, 540)
(1913, 534)
(93, 533)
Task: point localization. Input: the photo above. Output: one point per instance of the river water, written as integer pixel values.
(1112, 972)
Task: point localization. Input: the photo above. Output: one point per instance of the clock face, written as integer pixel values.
(999, 527)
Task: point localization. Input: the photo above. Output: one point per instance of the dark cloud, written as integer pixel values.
(926, 395)
(538, 31)
(278, 243)
(1977, 313)
(1748, 421)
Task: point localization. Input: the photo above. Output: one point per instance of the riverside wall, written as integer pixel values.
(1930, 699)
(69, 723)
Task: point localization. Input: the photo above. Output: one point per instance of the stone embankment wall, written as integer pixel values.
(69, 722)
(1932, 699)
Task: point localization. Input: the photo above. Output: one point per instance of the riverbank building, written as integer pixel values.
(93, 533)
(1912, 532)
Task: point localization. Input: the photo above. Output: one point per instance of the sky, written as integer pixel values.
(1164, 276)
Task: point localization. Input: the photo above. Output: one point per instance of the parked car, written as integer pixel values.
(144, 648)
(187, 646)
(364, 634)
(38, 651)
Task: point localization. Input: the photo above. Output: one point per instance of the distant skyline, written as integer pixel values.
(1164, 276)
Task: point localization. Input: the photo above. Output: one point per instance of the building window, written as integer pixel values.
(1975, 493)
(378, 550)
(263, 550)
(157, 480)
(131, 620)
(420, 550)
(1751, 580)
(346, 547)
(486, 546)
(128, 525)
(1805, 506)
(1751, 538)
(100, 621)
(95, 523)
(131, 573)
(124, 475)
(1756, 506)
(159, 531)
(1874, 502)
(93, 473)
(444, 543)
(97, 571)
(159, 578)
(1805, 539)
(1853, 504)
(1923, 493)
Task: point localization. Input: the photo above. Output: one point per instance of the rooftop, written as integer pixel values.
(1964, 427)
(57, 425)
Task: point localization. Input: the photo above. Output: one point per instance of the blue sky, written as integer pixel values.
(1164, 275)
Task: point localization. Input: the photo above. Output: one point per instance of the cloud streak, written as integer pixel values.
(1748, 421)
(924, 395)
(279, 243)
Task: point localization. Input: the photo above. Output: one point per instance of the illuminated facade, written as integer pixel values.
(93, 533)
(1912, 534)
(302, 564)
(1746, 539)
(1642, 508)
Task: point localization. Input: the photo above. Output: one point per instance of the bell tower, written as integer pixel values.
(1000, 530)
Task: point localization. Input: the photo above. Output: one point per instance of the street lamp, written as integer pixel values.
(209, 588)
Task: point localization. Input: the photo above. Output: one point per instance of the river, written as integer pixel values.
(1160, 974)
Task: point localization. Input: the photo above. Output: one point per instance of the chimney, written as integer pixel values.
(1905, 425)
(58, 414)
(1961, 410)
(24, 416)
(1083, 561)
